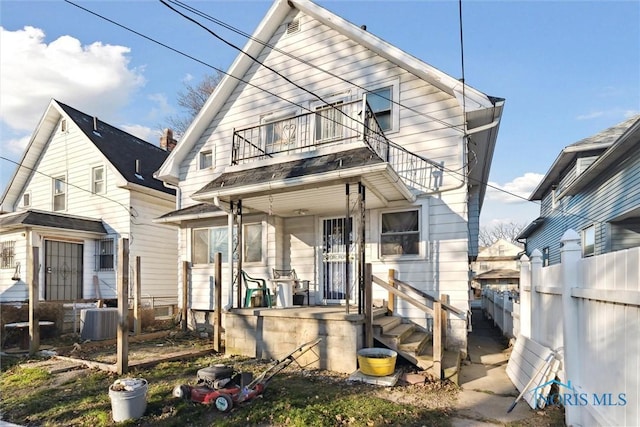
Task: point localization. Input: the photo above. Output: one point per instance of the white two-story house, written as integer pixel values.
(325, 148)
(80, 187)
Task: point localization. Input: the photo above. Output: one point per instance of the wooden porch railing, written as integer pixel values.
(438, 308)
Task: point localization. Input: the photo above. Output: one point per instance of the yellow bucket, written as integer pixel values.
(377, 362)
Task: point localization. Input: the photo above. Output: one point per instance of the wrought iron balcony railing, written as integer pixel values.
(333, 125)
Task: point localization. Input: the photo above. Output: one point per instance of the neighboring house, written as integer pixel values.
(497, 265)
(593, 187)
(82, 185)
(371, 134)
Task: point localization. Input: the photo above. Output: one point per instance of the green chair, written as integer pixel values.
(254, 285)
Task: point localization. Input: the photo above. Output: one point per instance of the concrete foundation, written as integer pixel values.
(272, 333)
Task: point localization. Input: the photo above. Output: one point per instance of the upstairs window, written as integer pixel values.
(380, 101)
(400, 233)
(206, 159)
(59, 193)
(328, 122)
(97, 180)
(26, 200)
(104, 254)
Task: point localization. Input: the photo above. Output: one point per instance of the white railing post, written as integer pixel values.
(570, 254)
(536, 306)
(525, 296)
(506, 315)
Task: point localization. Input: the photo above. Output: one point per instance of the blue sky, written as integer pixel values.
(567, 69)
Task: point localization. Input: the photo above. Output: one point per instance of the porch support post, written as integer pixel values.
(217, 294)
(233, 277)
(345, 229)
(240, 250)
(361, 247)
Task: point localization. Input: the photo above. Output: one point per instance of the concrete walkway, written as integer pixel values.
(487, 392)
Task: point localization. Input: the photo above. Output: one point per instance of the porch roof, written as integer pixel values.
(51, 220)
(309, 184)
(199, 211)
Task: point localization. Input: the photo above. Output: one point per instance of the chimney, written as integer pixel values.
(167, 142)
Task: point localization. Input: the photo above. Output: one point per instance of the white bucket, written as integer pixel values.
(128, 398)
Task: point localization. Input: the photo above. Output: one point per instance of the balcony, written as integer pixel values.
(340, 124)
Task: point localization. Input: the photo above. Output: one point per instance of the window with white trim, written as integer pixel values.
(97, 180)
(589, 241)
(383, 99)
(26, 199)
(400, 233)
(329, 122)
(206, 159)
(59, 193)
(380, 101)
(252, 236)
(206, 242)
(104, 254)
(8, 254)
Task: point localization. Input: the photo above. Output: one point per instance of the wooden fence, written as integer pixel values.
(587, 309)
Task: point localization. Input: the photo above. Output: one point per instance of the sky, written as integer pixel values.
(567, 69)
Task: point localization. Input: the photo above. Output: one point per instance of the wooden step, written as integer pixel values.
(400, 333)
(382, 325)
(416, 342)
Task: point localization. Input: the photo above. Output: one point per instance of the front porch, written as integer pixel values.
(270, 333)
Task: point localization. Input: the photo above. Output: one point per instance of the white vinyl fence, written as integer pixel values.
(503, 308)
(588, 309)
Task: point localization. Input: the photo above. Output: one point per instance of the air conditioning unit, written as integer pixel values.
(98, 324)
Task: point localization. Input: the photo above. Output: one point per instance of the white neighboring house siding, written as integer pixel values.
(11, 290)
(155, 244)
(67, 155)
(447, 215)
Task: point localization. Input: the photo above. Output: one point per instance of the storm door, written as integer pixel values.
(63, 270)
(337, 273)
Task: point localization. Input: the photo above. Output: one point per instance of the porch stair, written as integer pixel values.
(413, 344)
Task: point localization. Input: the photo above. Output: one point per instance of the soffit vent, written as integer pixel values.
(293, 26)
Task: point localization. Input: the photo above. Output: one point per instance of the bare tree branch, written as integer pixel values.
(508, 231)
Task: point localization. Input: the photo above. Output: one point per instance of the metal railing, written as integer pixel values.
(333, 125)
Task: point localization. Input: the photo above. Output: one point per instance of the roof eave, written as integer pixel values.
(170, 169)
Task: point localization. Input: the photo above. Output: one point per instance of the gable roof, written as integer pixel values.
(119, 148)
(600, 141)
(474, 100)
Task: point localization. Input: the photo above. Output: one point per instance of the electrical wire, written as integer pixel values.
(444, 169)
(20, 165)
(309, 64)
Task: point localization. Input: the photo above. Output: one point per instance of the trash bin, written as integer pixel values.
(128, 398)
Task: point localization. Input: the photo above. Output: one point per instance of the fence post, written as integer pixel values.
(525, 296)
(536, 305)
(570, 254)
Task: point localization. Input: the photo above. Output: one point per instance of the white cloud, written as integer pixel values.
(16, 146)
(143, 132)
(517, 190)
(590, 116)
(94, 78)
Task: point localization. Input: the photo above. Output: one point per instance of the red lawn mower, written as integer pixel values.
(224, 387)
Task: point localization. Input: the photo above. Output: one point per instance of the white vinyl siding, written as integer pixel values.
(124, 213)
